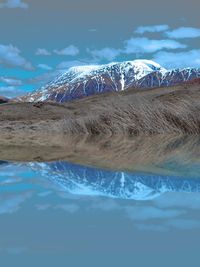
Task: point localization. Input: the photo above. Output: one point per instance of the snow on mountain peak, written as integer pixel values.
(81, 81)
(84, 68)
(84, 180)
(150, 63)
(146, 65)
(136, 69)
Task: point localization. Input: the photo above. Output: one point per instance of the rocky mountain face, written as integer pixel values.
(3, 100)
(169, 78)
(83, 81)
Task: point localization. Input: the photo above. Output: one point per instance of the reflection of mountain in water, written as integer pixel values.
(2, 162)
(83, 180)
(141, 167)
(176, 155)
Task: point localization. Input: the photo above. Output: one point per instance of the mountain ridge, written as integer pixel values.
(82, 81)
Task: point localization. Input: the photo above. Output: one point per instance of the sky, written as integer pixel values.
(42, 38)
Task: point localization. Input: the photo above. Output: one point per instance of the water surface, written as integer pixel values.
(58, 213)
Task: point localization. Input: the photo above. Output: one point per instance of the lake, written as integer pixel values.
(130, 203)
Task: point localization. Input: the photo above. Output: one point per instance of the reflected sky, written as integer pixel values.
(58, 210)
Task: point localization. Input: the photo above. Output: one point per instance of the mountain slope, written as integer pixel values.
(168, 78)
(3, 100)
(82, 81)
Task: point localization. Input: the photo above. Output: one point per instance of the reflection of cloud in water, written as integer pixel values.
(83, 180)
(166, 225)
(152, 227)
(71, 208)
(14, 250)
(13, 192)
(157, 211)
(191, 201)
(149, 217)
(183, 224)
(44, 194)
(11, 203)
(42, 207)
(147, 213)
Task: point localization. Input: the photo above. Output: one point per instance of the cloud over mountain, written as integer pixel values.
(178, 59)
(71, 50)
(105, 53)
(145, 45)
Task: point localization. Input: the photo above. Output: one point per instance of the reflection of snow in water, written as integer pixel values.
(156, 211)
(83, 180)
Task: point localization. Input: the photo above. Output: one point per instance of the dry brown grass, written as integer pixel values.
(132, 112)
(138, 153)
(139, 113)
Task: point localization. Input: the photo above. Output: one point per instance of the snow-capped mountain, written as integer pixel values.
(168, 78)
(82, 81)
(83, 180)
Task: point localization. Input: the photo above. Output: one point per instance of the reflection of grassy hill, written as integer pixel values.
(163, 154)
(161, 110)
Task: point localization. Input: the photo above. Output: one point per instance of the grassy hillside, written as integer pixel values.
(155, 111)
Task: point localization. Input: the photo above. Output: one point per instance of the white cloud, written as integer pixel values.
(11, 56)
(44, 67)
(11, 81)
(42, 52)
(68, 64)
(105, 53)
(14, 4)
(136, 46)
(179, 59)
(10, 91)
(183, 32)
(71, 50)
(145, 45)
(153, 28)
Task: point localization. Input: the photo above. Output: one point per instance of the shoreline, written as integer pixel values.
(140, 153)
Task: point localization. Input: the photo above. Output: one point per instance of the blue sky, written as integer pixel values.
(40, 39)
